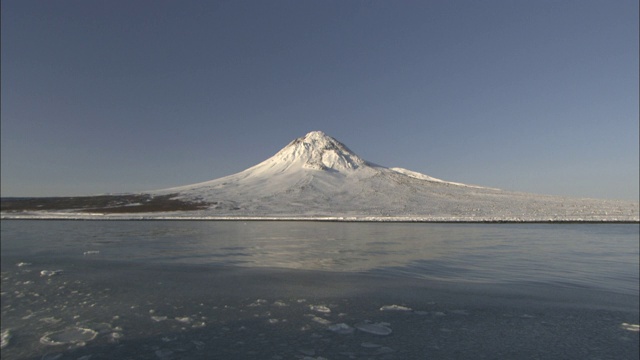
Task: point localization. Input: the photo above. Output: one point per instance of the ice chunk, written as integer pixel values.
(50, 320)
(158, 318)
(50, 272)
(5, 336)
(184, 320)
(320, 320)
(74, 335)
(258, 303)
(375, 329)
(91, 252)
(320, 308)
(21, 264)
(395, 308)
(114, 337)
(341, 328)
(631, 327)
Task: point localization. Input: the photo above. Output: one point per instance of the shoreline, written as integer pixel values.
(354, 219)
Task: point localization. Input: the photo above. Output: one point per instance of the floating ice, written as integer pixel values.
(395, 308)
(280, 303)
(115, 337)
(320, 308)
(50, 320)
(91, 252)
(184, 320)
(158, 318)
(320, 320)
(74, 335)
(258, 303)
(199, 324)
(21, 264)
(631, 327)
(341, 328)
(5, 336)
(376, 329)
(50, 272)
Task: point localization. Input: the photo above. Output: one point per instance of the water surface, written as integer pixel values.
(234, 290)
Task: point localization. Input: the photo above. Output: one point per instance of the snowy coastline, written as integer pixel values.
(420, 219)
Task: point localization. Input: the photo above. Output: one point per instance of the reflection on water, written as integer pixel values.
(154, 290)
(582, 255)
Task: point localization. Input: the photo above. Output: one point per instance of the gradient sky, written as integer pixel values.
(125, 96)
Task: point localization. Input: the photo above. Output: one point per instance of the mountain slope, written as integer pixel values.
(317, 176)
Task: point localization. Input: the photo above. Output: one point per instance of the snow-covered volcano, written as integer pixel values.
(316, 176)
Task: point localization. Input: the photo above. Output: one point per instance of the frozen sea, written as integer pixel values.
(318, 290)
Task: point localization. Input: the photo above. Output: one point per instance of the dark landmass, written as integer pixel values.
(126, 203)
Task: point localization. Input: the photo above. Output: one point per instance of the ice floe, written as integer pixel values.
(184, 320)
(50, 272)
(319, 320)
(320, 308)
(395, 308)
(73, 335)
(5, 337)
(280, 303)
(631, 327)
(341, 328)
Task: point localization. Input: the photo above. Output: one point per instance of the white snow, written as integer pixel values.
(316, 177)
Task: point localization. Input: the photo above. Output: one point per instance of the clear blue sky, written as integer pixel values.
(125, 96)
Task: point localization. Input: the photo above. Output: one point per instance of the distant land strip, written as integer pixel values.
(109, 204)
(142, 207)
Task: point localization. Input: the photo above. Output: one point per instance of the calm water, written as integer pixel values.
(584, 255)
(169, 290)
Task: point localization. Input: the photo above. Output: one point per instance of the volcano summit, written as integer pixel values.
(316, 177)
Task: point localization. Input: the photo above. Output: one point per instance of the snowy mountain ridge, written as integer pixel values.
(305, 160)
(318, 151)
(316, 177)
